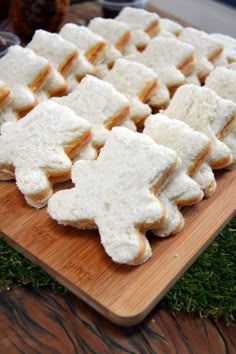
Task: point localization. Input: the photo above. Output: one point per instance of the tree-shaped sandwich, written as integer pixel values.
(35, 150)
(115, 193)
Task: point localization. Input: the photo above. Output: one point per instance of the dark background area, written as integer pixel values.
(230, 3)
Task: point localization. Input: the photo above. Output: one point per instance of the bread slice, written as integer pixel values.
(169, 52)
(137, 82)
(114, 32)
(139, 19)
(5, 94)
(206, 48)
(88, 43)
(170, 26)
(132, 79)
(204, 44)
(206, 112)
(229, 44)
(35, 150)
(101, 105)
(163, 56)
(223, 81)
(232, 65)
(60, 54)
(180, 189)
(80, 68)
(24, 72)
(115, 194)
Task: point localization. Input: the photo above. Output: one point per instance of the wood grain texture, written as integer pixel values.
(38, 321)
(122, 293)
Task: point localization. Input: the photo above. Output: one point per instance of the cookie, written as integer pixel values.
(134, 80)
(204, 111)
(35, 149)
(88, 43)
(101, 105)
(115, 194)
(179, 189)
(24, 72)
(60, 54)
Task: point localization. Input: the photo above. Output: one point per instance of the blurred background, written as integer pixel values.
(209, 15)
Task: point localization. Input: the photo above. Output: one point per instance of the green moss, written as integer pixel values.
(207, 288)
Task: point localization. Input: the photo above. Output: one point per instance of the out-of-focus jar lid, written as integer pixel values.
(7, 39)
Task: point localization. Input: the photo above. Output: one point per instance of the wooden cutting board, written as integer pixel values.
(123, 294)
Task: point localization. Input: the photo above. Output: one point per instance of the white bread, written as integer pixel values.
(192, 79)
(204, 111)
(139, 111)
(200, 68)
(170, 26)
(137, 82)
(165, 54)
(232, 65)
(113, 194)
(180, 189)
(139, 19)
(169, 52)
(205, 179)
(132, 79)
(24, 72)
(206, 48)
(110, 55)
(101, 105)
(168, 74)
(60, 54)
(114, 32)
(54, 48)
(22, 83)
(220, 60)
(36, 148)
(139, 40)
(223, 81)
(205, 45)
(88, 43)
(229, 44)
(80, 68)
(160, 97)
(201, 109)
(5, 94)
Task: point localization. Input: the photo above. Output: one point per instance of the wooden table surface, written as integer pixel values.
(39, 321)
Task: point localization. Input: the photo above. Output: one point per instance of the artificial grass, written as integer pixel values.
(207, 288)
